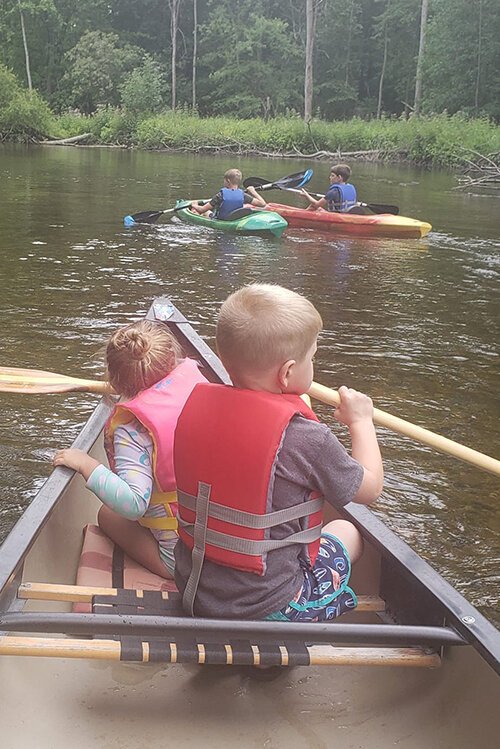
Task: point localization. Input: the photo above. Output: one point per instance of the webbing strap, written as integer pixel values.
(247, 545)
(199, 533)
(249, 519)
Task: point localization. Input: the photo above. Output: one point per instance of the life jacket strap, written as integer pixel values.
(248, 519)
(167, 522)
(250, 546)
(198, 552)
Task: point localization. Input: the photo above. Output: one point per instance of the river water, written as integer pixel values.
(414, 323)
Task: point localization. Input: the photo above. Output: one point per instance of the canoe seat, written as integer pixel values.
(103, 564)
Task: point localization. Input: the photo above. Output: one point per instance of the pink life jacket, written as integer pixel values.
(158, 409)
(226, 445)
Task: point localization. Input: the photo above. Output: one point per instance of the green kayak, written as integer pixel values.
(255, 222)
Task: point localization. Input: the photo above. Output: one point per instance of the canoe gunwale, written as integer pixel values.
(20, 540)
(448, 605)
(167, 626)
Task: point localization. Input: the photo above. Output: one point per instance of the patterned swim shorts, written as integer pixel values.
(320, 597)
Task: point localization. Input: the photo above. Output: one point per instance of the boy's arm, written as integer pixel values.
(313, 203)
(356, 412)
(257, 199)
(202, 208)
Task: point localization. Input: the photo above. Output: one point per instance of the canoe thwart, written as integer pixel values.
(81, 593)
(235, 653)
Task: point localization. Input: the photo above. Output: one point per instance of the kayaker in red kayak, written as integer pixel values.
(340, 196)
(230, 198)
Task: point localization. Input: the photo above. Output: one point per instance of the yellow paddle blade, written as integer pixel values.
(18, 380)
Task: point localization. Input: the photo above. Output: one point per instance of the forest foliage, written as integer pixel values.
(241, 59)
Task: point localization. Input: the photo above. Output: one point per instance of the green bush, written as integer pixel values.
(143, 89)
(24, 115)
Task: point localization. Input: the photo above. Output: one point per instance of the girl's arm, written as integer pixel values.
(128, 491)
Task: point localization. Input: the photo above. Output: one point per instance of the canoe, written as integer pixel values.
(260, 222)
(378, 225)
(420, 664)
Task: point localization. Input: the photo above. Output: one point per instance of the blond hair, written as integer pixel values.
(233, 176)
(263, 325)
(139, 355)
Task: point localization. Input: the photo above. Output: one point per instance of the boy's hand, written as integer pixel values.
(354, 407)
(76, 459)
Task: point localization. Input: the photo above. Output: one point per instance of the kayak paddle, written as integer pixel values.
(299, 179)
(261, 184)
(14, 380)
(151, 217)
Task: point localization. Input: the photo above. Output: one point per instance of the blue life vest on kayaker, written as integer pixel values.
(341, 197)
(231, 201)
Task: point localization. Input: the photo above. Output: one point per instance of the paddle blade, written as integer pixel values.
(18, 380)
(383, 208)
(143, 217)
(255, 182)
(298, 179)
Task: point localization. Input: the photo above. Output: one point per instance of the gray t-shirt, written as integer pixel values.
(311, 459)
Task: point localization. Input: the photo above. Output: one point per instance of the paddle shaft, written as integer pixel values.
(375, 207)
(406, 428)
(13, 379)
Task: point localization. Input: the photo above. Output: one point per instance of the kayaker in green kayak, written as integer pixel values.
(230, 198)
(340, 196)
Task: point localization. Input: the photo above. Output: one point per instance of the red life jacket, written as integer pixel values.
(226, 444)
(158, 409)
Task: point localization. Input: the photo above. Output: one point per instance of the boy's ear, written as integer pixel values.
(284, 373)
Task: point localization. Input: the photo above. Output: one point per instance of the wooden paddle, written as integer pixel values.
(14, 380)
(395, 424)
(260, 184)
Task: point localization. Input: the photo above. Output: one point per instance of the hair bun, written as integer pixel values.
(137, 344)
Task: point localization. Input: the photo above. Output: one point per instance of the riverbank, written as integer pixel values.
(434, 141)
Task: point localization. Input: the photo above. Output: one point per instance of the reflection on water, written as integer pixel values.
(412, 322)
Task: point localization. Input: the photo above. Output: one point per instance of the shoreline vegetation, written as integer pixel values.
(440, 140)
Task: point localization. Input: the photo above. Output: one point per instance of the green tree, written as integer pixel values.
(251, 61)
(98, 65)
(462, 71)
(144, 88)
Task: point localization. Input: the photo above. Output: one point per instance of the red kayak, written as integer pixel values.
(378, 225)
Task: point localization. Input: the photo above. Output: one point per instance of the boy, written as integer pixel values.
(255, 448)
(340, 196)
(230, 197)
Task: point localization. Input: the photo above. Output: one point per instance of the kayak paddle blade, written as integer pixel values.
(383, 208)
(298, 179)
(143, 217)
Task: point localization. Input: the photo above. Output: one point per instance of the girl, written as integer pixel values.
(145, 366)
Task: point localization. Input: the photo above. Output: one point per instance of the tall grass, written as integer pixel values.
(440, 140)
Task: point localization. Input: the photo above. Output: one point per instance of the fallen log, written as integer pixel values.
(65, 141)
